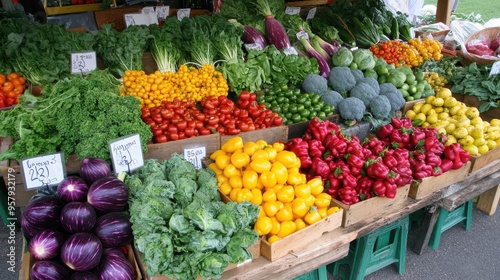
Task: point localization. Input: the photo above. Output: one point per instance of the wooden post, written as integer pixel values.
(488, 201)
(443, 11)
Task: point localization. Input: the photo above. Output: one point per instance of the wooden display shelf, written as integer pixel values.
(71, 9)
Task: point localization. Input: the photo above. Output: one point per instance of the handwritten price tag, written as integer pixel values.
(162, 12)
(194, 156)
(311, 13)
(83, 63)
(151, 14)
(495, 69)
(182, 13)
(292, 10)
(126, 153)
(253, 46)
(47, 170)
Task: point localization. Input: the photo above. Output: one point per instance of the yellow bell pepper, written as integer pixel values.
(285, 214)
(256, 197)
(260, 154)
(322, 211)
(272, 153)
(260, 165)
(269, 196)
(250, 179)
(214, 167)
(217, 153)
(316, 185)
(250, 148)
(225, 188)
(287, 158)
(286, 228)
(272, 239)
(232, 144)
(233, 194)
(222, 161)
(312, 216)
(332, 210)
(243, 194)
(271, 208)
(268, 179)
(278, 146)
(230, 171)
(294, 178)
(286, 194)
(281, 172)
(310, 200)
(276, 226)
(300, 207)
(263, 225)
(302, 190)
(240, 159)
(236, 182)
(299, 224)
(261, 143)
(323, 200)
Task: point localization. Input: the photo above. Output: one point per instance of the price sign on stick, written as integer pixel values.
(83, 63)
(253, 46)
(495, 69)
(126, 153)
(302, 34)
(311, 13)
(292, 10)
(194, 156)
(162, 12)
(182, 13)
(47, 170)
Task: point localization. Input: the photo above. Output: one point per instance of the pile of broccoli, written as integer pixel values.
(354, 96)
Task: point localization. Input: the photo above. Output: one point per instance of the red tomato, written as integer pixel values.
(244, 95)
(172, 129)
(167, 114)
(145, 113)
(233, 131)
(12, 76)
(181, 125)
(3, 79)
(2, 103)
(7, 87)
(190, 132)
(173, 136)
(277, 121)
(182, 135)
(9, 101)
(160, 139)
(213, 120)
(204, 131)
(243, 126)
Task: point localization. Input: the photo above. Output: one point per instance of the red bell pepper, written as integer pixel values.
(377, 169)
(436, 171)
(464, 155)
(422, 170)
(354, 161)
(446, 165)
(379, 188)
(348, 195)
(417, 138)
(432, 159)
(385, 131)
(355, 148)
(390, 161)
(316, 148)
(320, 168)
(396, 122)
(433, 145)
(390, 189)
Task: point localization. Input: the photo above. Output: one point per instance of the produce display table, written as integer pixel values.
(334, 245)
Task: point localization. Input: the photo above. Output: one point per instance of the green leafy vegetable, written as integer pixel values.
(166, 45)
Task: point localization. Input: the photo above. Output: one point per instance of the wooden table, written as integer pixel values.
(334, 245)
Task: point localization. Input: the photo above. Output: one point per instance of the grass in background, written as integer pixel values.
(488, 9)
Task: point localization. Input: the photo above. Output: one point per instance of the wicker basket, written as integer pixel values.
(492, 32)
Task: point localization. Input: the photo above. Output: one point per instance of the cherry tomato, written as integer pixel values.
(7, 87)
(12, 76)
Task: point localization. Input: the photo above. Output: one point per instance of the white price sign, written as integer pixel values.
(495, 69)
(290, 51)
(47, 170)
(253, 46)
(83, 63)
(182, 13)
(151, 14)
(311, 13)
(162, 12)
(194, 156)
(302, 34)
(126, 153)
(292, 10)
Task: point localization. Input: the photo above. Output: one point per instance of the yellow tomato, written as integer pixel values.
(263, 225)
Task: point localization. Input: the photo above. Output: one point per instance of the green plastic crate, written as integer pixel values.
(317, 274)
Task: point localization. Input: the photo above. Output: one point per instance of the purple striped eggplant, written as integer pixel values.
(252, 35)
(49, 270)
(93, 169)
(83, 275)
(78, 217)
(46, 244)
(42, 213)
(108, 194)
(114, 229)
(113, 267)
(73, 188)
(81, 251)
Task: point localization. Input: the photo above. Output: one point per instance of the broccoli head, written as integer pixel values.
(352, 108)
(341, 79)
(333, 98)
(364, 92)
(394, 95)
(315, 83)
(372, 82)
(380, 107)
(358, 74)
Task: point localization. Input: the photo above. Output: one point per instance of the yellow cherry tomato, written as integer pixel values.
(323, 200)
(286, 194)
(268, 179)
(263, 225)
(316, 185)
(285, 214)
(250, 179)
(300, 207)
(232, 144)
(288, 158)
(286, 228)
(269, 195)
(256, 197)
(240, 159)
(260, 165)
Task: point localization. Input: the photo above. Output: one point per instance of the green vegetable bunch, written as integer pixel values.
(77, 115)
(180, 225)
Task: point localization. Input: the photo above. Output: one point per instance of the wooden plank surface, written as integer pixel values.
(488, 201)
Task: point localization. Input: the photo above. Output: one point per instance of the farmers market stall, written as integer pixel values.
(202, 147)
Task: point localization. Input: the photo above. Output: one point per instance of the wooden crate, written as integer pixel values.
(409, 104)
(270, 135)
(27, 262)
(472, 101)
(367, 208)
(430, 185)
(163, 151)
(301, 238)
(254, 249)
(481, 161)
